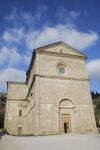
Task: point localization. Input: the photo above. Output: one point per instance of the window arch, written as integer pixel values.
(66, 103)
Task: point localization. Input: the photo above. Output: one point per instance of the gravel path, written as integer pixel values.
(57, 142)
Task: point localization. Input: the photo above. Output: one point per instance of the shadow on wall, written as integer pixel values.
(2, 133)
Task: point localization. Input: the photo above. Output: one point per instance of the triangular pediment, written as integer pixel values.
(61, 47)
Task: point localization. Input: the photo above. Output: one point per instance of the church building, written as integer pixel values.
(55, 99)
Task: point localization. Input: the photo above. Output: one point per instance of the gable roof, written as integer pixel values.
(46, 47)
(60, 43)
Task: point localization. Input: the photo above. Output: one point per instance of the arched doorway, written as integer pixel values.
(66, 108)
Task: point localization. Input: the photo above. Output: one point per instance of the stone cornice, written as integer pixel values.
(16, 99)
(62, 77)
(11, 82)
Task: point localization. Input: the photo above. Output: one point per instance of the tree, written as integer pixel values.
(3, 97)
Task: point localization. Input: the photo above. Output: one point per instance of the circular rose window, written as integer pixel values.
(61, 70)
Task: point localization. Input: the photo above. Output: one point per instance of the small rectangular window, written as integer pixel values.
(20, 112)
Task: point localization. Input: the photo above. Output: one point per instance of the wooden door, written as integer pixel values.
(65, 123)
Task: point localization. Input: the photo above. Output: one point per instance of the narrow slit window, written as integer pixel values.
(20, 112)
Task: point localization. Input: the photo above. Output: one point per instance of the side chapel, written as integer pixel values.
(55, 98)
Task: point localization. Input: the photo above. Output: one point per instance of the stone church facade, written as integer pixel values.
(55, 98)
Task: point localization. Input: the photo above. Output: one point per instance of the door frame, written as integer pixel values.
(64, 120)
(66, 107)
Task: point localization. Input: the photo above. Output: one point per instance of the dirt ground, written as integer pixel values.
(56, 142)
